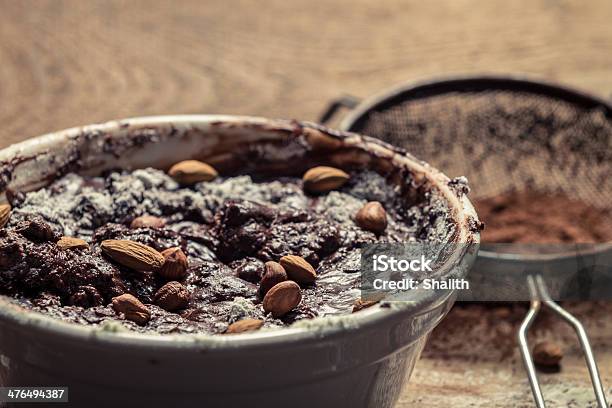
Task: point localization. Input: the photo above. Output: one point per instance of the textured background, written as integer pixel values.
(68, 63)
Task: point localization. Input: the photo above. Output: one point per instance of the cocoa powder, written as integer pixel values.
(533, 217)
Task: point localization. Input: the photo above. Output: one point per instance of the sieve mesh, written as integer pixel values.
(504, 135)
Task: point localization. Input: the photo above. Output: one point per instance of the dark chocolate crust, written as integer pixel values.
(228, 228)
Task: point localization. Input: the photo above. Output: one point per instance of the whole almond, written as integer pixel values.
(319, 141)
(361, 304)
(372, 217)
(298, 269)
(274, 273)
(175, 264)
(133, 255)
(148, 221)
(547, 354)
(132, 309)
(244, 325)
(172, 296)
(72, 243)
(282, 298)
(323, 179)
(5, 214)
(192, 171)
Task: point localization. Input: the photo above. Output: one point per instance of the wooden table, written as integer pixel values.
(68, 63)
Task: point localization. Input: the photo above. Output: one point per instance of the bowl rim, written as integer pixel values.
(315, 330)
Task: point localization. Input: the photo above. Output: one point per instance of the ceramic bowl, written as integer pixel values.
(359, 360)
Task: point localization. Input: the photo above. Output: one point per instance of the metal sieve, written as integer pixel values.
(504, 134)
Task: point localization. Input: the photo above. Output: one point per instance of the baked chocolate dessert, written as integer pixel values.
(191, 251)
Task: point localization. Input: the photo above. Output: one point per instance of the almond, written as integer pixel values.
(5, 214)
(323, 179)
(547, 354)
(133, 255)
(175, 264)
(72, 243)
(361, 304)
(372, 217)
(172, 296)
(319, 141)
(274, 274)
(244, 325)
(282, 298)
(148, 221)
(192, 171)
(132, 309)
(298, 269)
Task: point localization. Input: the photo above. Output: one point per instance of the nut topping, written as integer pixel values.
(175, 264)
(133, 255)
(148, 221)
(323, 179)
(361, 304)
(298, 269)
(192, 171)
(72, 243)
(274, 274)
(372, 217)
(219, 263)
(371, 300)
(282, 298)
(244, 325)
(5, 214)
(320, 141)
(547, 354)
(172, 296)
(132, 309)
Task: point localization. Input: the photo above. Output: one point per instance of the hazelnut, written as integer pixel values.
(172, 296)
(274, 274)
(547, 354)
(372, 217)
(175, 264)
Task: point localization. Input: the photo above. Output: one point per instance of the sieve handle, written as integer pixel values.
(345, 101)
(538, 291)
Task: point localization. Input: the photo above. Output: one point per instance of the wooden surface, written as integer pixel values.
(68, 63)
(472, 359)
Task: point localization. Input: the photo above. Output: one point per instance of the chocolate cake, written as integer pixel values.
(189, 251)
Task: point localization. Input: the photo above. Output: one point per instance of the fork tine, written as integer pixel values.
(582, 337)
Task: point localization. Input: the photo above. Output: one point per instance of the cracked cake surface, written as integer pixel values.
(228, 229)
